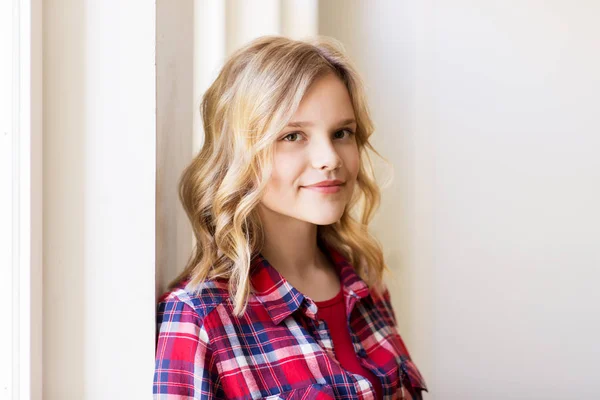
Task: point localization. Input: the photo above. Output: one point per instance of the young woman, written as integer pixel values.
(283, 297)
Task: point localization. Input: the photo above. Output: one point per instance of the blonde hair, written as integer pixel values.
(254, 96)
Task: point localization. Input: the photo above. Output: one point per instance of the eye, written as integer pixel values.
(350, 133)
(294, 134)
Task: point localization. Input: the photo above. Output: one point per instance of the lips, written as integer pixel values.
(327, 183)
(325, 188)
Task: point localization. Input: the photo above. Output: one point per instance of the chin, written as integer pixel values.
(326, 219)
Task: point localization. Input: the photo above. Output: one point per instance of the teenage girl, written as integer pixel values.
(283, 296)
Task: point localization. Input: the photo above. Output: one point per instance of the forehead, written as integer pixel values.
(326, 101)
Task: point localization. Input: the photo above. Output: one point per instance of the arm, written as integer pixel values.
(185, 367)
(412, 379)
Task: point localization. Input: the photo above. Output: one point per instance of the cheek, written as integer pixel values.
(286, 171)
(352, 160)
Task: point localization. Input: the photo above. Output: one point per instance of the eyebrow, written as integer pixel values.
(300, 124)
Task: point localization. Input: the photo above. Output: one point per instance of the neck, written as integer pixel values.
(290, 245)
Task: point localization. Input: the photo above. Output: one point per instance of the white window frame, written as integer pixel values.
(21, 198)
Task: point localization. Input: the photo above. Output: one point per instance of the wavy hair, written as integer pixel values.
(254, 96)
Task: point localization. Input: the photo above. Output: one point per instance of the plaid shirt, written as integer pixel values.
(278, 349)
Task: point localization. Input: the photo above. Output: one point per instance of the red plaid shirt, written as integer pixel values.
(278, 349)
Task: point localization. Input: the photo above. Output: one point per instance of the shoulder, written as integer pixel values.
(198, 301)
(383, 302)
(186, 361)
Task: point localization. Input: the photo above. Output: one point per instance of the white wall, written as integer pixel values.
(7, 204)
(174, 133)
(20, 199)
(99, 199)
(489, 111)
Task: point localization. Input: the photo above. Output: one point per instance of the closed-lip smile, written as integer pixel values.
(330, 182)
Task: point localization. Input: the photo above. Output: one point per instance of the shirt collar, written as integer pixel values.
(281, 299)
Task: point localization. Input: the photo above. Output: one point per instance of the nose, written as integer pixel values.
(324, 155)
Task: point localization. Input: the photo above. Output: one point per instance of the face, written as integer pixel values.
(317, 145)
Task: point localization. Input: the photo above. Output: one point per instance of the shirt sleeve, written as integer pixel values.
(184, 367)
(389, 314)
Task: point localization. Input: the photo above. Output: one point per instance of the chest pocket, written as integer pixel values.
(312, 392)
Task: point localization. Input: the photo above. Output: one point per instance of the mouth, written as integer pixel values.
(325, 189)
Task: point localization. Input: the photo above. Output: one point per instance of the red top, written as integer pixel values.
(333, 311)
